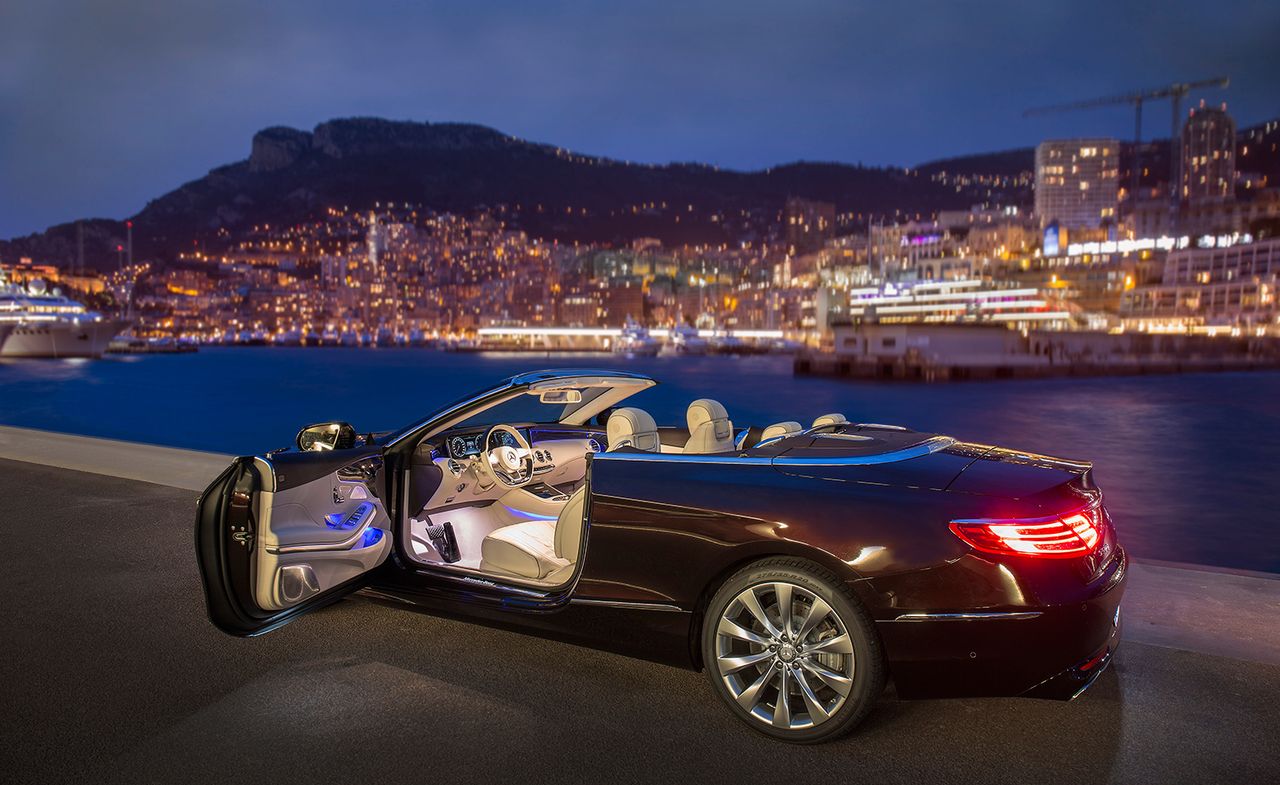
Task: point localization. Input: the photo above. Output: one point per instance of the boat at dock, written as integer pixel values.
(685, 339)
(635, 340)
(126, 344)
(43, 323)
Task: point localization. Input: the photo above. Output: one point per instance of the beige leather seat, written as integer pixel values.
(830, 419)
(709, 428)
(631, 427)
(547, 550)
(539, 550)
(780, 430)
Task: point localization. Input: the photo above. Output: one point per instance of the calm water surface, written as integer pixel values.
(1189, 464)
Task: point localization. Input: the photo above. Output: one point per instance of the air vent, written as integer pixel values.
(593, 445)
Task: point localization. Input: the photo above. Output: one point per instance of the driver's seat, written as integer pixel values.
(540, 550)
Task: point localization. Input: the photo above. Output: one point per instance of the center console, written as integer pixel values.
(546, 492)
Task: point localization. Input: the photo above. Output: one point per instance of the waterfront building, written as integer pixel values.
(1077, 183)
(1211, 289)
(1208, 156)
(972, 301)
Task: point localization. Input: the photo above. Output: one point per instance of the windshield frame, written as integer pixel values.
(623, 385)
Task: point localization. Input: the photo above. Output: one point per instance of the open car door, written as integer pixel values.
(281, 535)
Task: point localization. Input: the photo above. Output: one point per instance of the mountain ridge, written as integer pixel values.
(291, 175)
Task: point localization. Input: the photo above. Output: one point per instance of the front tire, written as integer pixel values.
(792, 652)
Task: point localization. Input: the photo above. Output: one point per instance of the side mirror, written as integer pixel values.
(326, 436)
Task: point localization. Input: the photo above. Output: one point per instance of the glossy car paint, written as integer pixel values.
(664, 532)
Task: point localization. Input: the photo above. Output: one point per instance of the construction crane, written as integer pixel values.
(1175, 92)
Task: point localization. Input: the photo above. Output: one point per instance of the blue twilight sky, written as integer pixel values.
(107, 103)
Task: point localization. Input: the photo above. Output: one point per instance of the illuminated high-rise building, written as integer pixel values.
(1077, 182)
(808, 224)
(1208, 156)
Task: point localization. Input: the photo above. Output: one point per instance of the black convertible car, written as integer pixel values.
(800, 567)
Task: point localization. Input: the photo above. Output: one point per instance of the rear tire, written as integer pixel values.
(791, 651)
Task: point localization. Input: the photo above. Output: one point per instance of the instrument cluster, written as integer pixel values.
(469, 445)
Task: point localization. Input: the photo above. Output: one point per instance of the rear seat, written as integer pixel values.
(835, 418)
(755, 437)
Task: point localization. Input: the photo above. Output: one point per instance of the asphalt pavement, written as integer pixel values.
(111, 672)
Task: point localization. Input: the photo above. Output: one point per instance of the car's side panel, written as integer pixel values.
(1009, 648)
(664, 528)
(649, 631)
(670, 530)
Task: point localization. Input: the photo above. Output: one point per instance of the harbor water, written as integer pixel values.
(1188, 463)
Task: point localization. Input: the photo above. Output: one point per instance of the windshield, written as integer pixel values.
(517, 400)
(528, 408)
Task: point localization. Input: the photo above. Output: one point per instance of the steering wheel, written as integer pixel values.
(511, 466)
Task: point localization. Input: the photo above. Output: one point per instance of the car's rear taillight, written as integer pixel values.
(1072, 534)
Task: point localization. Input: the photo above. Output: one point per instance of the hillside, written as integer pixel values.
(291, 175)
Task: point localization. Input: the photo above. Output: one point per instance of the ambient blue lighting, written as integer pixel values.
(371, 537)
(351, 520)
(530, 515)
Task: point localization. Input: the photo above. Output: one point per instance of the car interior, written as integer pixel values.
(502, 494)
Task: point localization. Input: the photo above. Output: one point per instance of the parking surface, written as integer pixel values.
(111, 672)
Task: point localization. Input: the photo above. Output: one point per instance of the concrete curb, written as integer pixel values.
(189, 469)
(1228, 613)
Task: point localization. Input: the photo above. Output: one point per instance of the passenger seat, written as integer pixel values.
(709, 428)
(538, 550)
(631, 427)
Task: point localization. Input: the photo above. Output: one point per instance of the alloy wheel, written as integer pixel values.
(785, 655)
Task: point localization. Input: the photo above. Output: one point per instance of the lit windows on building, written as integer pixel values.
(1077, 183)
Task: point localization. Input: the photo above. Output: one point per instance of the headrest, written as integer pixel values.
(705, 410)
(830, 419)
(781, 429)
(631, 427)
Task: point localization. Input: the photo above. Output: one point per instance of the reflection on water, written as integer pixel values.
(1188, 463)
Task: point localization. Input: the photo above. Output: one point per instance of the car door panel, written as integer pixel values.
(269, 553)
(315, 536)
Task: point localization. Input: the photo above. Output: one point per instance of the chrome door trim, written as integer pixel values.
(344, 545)
(638, 606)
(927, 447)
(971, 616)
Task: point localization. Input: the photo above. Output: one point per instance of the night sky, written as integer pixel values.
(105, 104)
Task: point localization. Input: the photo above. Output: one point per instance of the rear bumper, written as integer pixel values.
(1074, 680)
(1035, 650)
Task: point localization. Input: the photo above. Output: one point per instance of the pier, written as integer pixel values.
(112, 673)
(959, 352)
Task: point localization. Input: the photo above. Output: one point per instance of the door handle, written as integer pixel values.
(363, 470)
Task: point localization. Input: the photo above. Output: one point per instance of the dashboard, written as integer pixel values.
(469, 445)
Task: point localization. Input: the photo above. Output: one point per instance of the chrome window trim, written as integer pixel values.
(971, 616)
(927, 447)
(681, 457)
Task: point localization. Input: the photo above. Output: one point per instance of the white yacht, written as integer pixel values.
(48, 324)
(686, 340)
(635, 339)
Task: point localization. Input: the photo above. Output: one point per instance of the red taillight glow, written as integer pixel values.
(1071, 535)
